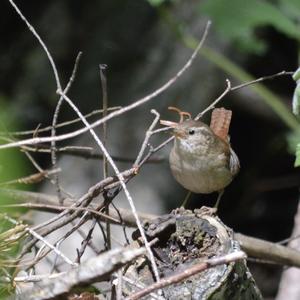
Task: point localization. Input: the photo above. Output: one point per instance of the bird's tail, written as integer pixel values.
(220, 122)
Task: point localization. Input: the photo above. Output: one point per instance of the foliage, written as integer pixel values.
(296, 111)
(297, 161)
(9, 244)
(237, 20)
(296, 97)
(11, 166)
(11, 161)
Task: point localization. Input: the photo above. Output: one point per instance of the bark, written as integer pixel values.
(185, 239)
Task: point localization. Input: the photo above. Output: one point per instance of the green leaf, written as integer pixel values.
(236, 20)
(156, 2)
(297, 161)
(291, 8)
(296, 75)
(296, 96)
(296, 100)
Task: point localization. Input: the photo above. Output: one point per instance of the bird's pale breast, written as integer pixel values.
(203, 174)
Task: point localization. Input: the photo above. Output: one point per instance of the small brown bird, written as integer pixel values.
(202, 160)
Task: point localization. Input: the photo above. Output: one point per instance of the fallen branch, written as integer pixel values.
(254, 247)
(95, 269)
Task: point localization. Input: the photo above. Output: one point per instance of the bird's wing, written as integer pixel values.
(234, 163)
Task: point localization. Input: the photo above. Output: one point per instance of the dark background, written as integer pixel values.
(141, 50)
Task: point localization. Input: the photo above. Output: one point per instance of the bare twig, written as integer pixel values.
(147, 137)
(48, 203)
(270, 251)
(141, 286)
(93, 192)
(88, 127)
(89, 152)
(54, 122)
(41, 170)
(104, 162)
(59, 125)
(214, 103)
(33, 178)
(37, 236)
(49, 207)
(263, 78)
(95, 269)
(114, 114)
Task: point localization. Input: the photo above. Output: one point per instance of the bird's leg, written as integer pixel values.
(220, 194)
(186, 199)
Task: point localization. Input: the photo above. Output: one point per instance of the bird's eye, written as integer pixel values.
(191, 131)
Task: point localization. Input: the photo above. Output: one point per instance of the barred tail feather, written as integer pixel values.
(220, 122)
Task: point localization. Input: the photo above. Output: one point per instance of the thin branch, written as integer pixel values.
(57, 208)
(59, 125)
(214, 103)
(119, 112)
(94, 269)
(33, 178)
(88, 152)
(30, 27)
(263, 78)
(104, 162)
(96, 138)
(141, 286)
(39, 237)
(122, 182)
(148, 135)
(54, 122)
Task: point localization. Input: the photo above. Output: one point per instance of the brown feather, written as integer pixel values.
(220, 122)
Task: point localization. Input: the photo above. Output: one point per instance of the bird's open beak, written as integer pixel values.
(177, 132)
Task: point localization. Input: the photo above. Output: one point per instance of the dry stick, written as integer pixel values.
(200, 267)
(270, 251)
(117, 113)
(53, 130)
(141, 286)
(93, 192)
(59, 125)
(40, 169)
(62, 239)
(86, 241)
(48, 203)
(252, 246)
(88, 126)
(213, 104)
(80, 131)
(104, 162)
(37, 236)
(287, 240)
(33, 178)
(89, 152)
(58, 208)
(237, 87)
(263, 78)
(148, 135)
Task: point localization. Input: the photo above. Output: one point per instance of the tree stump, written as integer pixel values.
(186, 238)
